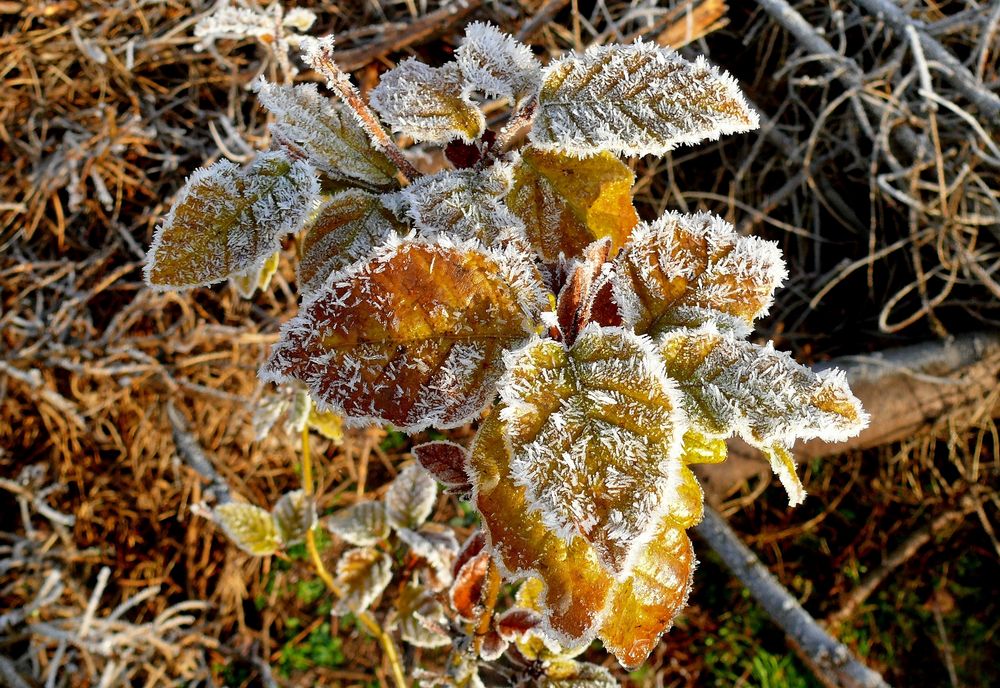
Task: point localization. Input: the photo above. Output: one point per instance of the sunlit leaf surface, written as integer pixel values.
(410, 498)
(497, 64)
(251, 528)
(294, 516)
(363, 524)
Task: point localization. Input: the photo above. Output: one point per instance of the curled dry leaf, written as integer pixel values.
(363, 524)
(595, 433)
(345, 228)
(637, 99)
(250, 528)
(430, 104)
(446, 462)
(413, 337)
(227, 220)
(331, 139)
(294, 516)
(682, 270)
(410, 498)
(566, 203)
(362, 574)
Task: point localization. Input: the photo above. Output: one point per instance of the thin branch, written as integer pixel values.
(827, 653)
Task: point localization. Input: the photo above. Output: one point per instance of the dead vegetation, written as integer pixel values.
(878, 171)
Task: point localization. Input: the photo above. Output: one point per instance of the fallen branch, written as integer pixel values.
(839, 666)
(906, 391)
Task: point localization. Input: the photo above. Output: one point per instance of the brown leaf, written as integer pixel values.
(446, 462)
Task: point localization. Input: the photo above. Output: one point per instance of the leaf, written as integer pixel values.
(298, 413)
(436, 545)
(587, 295)
(294, 516)
(567, 202)
(226, 220)
(420, 618)
(682, 270)
(266, 414)
(570, 674)
(363, 524)
(637, 99)
(330, 138)
(466, 591)
(257, 277)
(730, 386)
(595, 434)
(446, 462)
(427, 103)
(414, 337)
(362, 574)
(465, 204)
(327, 423)
(643, 607)
(345, 229)
(251, 528)
(472, 546)
(410, 498)
(576, 587)
(516, 622)
(497, 64)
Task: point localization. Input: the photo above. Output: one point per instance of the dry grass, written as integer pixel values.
(106, 107)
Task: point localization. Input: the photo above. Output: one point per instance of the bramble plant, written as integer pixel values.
(609, 353)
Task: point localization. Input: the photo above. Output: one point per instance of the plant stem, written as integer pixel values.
(321, 59)
(365, 618)
(521, 118)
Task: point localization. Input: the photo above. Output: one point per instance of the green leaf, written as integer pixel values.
(251, 528)
(227, 220)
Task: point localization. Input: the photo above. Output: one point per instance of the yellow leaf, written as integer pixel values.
(327, 423)
(566, 203)
(256, 278)
(412, 337)
(251, 528)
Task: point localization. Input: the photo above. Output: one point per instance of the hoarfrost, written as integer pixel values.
(362, 525)
(635, 99)
(497, 64)
(410, 498)
(362, 574)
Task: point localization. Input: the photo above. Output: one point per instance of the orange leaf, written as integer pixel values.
(412, 337)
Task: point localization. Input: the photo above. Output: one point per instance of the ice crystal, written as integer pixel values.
(635, 99)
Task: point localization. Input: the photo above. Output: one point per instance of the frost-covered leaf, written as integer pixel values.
(516, 622)
(331, 138)
(410, 498)
(294, 516)
(299, 18)
(362, 574)
(435, 544)
(413, 337)
(497, 64)
(446, 462)
(635, 99)
(266, 414)
(363, 524)
(730, 386)
(326, 423)
(472, 546)
(576, 586)
(236, 23)
(595, 433)
(682, 270)
(525, 625)
(257, 277)
(588, 295)
(566, 202)
(465, 204)
(345, 229)
(430, 104)
(465, 592)
(298, 412)
(570, 674)
(228, 219)
(643, 607)
(420, 618)
(251, 528)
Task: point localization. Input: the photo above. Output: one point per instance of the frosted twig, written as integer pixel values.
(319, 53)
(826, 652)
